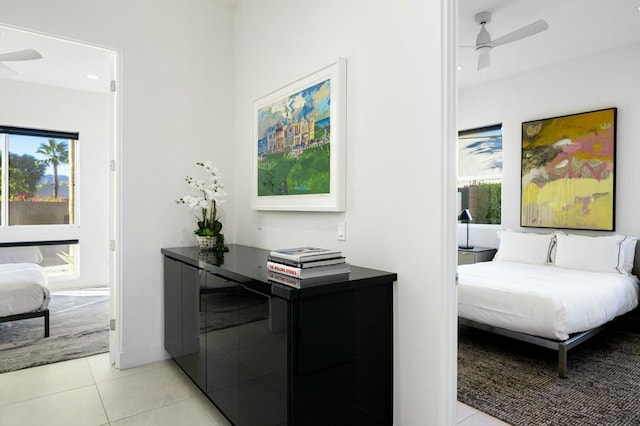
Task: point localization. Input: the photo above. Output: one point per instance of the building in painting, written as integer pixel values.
(293, 135)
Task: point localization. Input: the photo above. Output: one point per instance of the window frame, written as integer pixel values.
(40, 234)
(5, 131)
(463, 182)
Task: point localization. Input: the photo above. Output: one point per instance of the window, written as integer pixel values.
(58, 258)
(480, 173)
(37, 189)
(38, 186)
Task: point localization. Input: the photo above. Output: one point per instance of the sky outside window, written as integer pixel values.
(20, 145)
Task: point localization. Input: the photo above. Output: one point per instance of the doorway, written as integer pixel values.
(63, 85)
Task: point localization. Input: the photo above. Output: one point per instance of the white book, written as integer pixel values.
(302, 254)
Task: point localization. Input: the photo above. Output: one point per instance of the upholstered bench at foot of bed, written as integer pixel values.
(28, 315)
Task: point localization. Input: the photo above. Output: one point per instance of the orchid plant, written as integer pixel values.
(212, 194)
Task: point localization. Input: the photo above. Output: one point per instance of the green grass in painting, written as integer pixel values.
(278, 174)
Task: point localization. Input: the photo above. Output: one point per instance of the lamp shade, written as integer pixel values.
(465, 215)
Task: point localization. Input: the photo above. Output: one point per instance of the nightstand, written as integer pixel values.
(476, 254)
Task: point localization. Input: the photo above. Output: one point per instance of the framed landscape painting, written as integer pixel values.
(568, 171)
(298, 144)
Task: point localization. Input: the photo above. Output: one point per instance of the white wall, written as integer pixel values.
(394, 167)
(52, 108)
(608, 79)
(176, 99)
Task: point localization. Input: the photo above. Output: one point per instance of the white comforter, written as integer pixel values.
(544, 301)
(23, 288)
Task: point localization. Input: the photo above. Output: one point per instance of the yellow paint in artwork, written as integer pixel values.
(568, 127)
(569, 203)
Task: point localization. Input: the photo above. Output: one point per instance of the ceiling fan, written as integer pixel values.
(20, 55)
(484, 44)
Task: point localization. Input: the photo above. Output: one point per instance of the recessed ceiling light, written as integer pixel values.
(91, 76)
(459, 67)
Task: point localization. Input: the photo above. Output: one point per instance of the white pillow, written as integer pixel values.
(597, 254)
(524, 247)
(628, 254)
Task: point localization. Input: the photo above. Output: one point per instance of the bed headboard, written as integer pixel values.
(636, 262)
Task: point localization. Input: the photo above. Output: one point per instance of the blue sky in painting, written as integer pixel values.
(312, 101)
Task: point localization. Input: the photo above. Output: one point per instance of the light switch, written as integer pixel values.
(341, 231)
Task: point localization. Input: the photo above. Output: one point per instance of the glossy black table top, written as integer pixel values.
(248, 266)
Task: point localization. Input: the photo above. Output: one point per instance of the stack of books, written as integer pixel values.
(305, 264)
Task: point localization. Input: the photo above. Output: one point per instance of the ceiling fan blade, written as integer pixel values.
(484, 60)
(21, 55)
(6, 70)
(521, 33)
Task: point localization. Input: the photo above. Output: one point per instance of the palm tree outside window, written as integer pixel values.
(37, 177)
(37, 189)
(55, 153)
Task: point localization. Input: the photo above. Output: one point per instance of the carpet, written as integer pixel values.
(79, 326)
(518, 383)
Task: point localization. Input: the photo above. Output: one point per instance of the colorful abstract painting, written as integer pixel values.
(568, 171)
(298, 144)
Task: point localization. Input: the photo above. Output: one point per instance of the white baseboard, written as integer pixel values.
(132, 359)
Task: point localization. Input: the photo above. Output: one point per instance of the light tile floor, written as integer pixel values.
(90, 392)
(469, 416)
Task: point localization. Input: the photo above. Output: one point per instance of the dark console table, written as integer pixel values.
(269, 354)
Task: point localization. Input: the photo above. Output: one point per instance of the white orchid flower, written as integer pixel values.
(190, 201)
(212, 193)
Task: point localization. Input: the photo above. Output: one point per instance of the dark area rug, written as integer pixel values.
(79, 326)
(518, 383)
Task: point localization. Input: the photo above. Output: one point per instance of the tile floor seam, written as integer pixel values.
(75, 387)
(106, 414)
(151, 410)
(186, 398)
(93, 376)
(45, 395)
(131, 374)
(163, 404)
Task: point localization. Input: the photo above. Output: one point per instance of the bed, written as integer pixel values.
(23, 288)
(553, 290)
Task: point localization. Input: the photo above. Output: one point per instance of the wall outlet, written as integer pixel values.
(341, 231)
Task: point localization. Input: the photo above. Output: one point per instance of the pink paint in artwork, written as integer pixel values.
(588, 156)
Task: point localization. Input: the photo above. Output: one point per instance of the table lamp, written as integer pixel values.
(465, 216)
